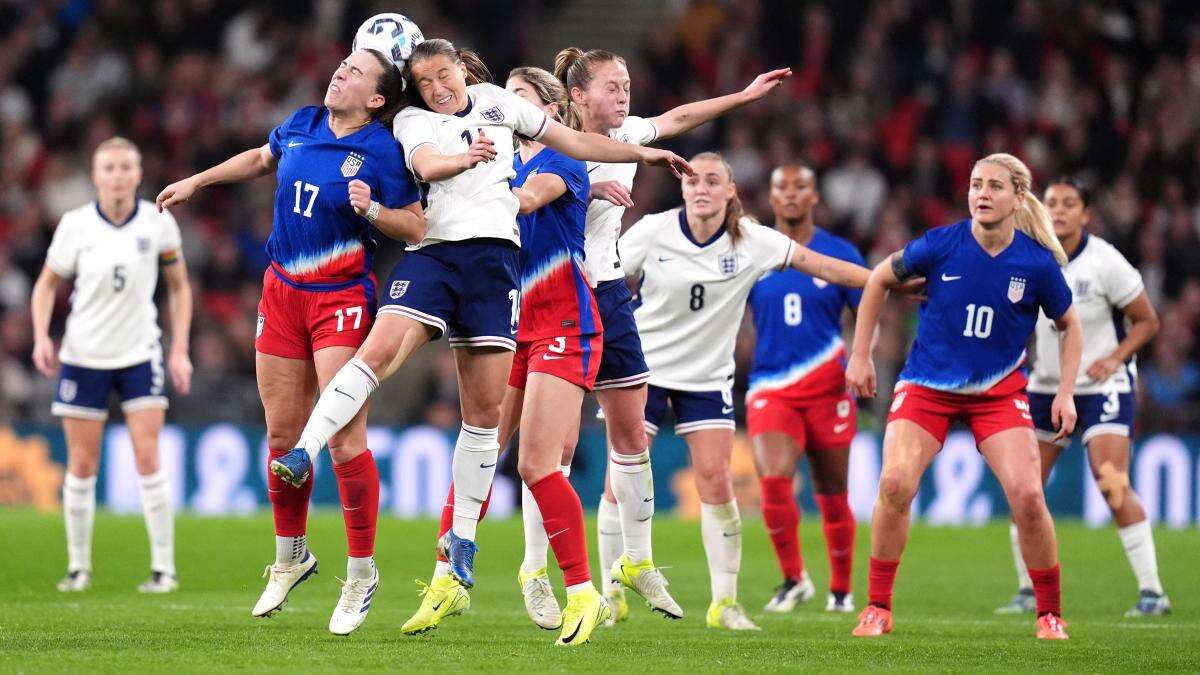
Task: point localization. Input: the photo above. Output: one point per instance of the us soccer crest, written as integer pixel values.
(399, 288)
(351, 166)
(728, 263)
(1016, 289)
(493, 115)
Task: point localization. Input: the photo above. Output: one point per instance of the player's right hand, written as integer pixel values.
(860, 376)
(611, 191)
(44, 358)
(175, 193)
(482, 150)
(360, 196)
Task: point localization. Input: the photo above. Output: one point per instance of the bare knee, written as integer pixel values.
(714, 482)
(1028, 505)
(83, 464)
(533, 469)
(896, 490)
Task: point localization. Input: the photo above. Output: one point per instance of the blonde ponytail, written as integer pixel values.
(1031, 216)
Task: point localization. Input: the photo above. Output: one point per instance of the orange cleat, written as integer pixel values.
(875, 621)
(1051, 627)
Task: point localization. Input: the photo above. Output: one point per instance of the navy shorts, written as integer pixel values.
(694, 410)
(83, 392)
(467, 288)
(1099, 414)
(622, 363)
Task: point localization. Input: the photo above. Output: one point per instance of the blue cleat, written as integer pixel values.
(461, 554)
(293, 468)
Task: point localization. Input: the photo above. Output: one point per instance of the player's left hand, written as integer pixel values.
(1103, 369)
(1062, 415)
(914, 288)
(656, 157)
(180, 367)
(763, 84)
(360, 196)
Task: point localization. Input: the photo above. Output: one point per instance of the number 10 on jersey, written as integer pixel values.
(979, 321)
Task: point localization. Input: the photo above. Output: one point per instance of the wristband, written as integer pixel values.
(372, 213)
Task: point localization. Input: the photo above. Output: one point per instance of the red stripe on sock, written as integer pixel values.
(880, 579)
(562, 516)
(358, 486)
(838, 522)
(781, 515)
(289, 505)
(1047, 589)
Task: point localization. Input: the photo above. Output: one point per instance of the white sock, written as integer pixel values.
(608, 530)
(360, 568)
(290, 550)
(1138, 540)
(79, 511)
(633, 484)
(441, 569)
(1023, 580)
(341, 400)
(575, 588)
(159, 511)
(536, 543)
(474, 466)
(721, 529)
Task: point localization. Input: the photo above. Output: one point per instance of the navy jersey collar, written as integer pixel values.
(687, 231)
(467, 110)
(1079, 250)
(128, 220)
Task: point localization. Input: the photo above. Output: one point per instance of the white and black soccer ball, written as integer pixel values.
(393, 35)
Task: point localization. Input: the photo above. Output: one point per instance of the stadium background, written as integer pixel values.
(890, 102)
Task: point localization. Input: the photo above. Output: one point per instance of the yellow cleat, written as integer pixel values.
(727, 613)
(585, 610)
(618, 608)
(444, 596)
(647, 581)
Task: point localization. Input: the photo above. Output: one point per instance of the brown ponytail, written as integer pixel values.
(477, 71)
(733, 208)
(545, 85)
(573, 67)
(390, 86)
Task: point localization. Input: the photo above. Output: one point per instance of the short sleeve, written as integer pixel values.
(1054, 295)
(1122, 281)
(769, 249)
(852, 296)
(639, 130)
(414, 129)
(278, 135)
(64, 247)
(919, 255)
(397, 188)
(527, 120)
(169, 239)
(573, 173)
(635, 243)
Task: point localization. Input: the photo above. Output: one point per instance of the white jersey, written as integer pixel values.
(1102, 282)
(603, 225)
(113, 321)
(477, 202)
(693, 294)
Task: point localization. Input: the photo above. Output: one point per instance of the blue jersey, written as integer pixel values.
(556, 297)
(981, 310)
(798, 326)
(317, 237)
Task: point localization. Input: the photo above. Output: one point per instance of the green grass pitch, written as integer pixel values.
(950, 581)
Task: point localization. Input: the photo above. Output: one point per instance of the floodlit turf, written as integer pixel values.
(949, 583)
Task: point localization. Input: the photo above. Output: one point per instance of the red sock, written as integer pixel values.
(358, 485)
(1047, 590)
(781, 515)
(289, 504)
(838, 521)
(562, 516)
(447, 520)
(881, 578)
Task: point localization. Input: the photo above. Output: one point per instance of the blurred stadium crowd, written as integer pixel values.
(891, 102)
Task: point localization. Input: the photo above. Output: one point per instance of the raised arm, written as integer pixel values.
(179, 300)
(600, 148)
(41, 307)
(1143, 327)
(539, 190)
(688, 116)
(243, 166)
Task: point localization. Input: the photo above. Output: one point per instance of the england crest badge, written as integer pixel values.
(728, 263)
(399, 288)
(143, 244)
(351, 166)
(494, 115)
(1016, 289)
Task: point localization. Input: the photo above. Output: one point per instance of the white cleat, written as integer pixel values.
(730, 615)
(540, 603)
(354, 604)
(647, 581)
(791, 593)
(76, 580)
(280, 582)
(840, 602)
(159, 582)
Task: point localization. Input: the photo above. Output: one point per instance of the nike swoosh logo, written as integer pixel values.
(839, 428)
(347, 508)
(547, 357)
(487, 466)
(664, 259)
(438, 606)
(292, 144)
(642, 520)
(946, 277)
(731, 534)
(725, 410)
(343, 393)
(558, 533)
(647, 500)
(575, 632)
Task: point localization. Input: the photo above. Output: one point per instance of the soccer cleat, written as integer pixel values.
(293, 468)
(444, 596)
(540, 603)
(791, 593)
(461, 554)
(352, 606)
(76, 580)
(1050, 626)
(585, 611)
(840, 602)
(618, 608)
(159, 582)
(280, 582)
(873, 621)
(1022, 603)
(1150, 604)
(729, 614)
(647, 581)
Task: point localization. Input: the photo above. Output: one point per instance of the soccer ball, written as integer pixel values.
(393, 35)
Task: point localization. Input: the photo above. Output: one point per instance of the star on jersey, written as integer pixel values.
(1016, 289)
(352, 164)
